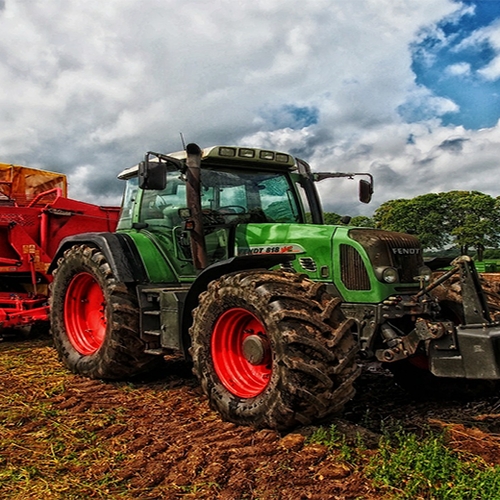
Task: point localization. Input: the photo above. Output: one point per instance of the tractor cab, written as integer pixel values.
(193, 201)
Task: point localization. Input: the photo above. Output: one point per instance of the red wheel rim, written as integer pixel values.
(84, 314)
(239, 376)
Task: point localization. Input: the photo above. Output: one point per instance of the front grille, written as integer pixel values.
(353, 272)
(387, 248)
(406, 256)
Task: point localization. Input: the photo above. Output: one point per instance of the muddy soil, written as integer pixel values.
(171, 445)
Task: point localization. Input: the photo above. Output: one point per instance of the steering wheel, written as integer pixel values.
(232, 209)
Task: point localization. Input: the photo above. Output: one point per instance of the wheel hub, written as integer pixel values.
(255, 349)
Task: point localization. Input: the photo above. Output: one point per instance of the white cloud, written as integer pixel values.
(459, 69)
(489, 35)
(492, 70)
(406, 159)
(88, 87)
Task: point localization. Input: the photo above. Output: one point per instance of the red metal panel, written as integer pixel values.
(34, 217)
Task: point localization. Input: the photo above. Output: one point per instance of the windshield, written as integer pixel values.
(226, 195)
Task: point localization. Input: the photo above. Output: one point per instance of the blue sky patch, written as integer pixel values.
(449, 60)
(291, 116)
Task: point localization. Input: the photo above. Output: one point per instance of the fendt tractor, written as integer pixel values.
(213, 260)
(35, 215)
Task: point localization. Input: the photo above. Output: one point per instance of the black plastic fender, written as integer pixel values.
(118, 248)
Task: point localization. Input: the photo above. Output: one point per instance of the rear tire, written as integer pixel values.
(272, 349)
(95, 318)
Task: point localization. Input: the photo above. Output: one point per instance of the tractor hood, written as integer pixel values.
(308, 242)
(367, 265)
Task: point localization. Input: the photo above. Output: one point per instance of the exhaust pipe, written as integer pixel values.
(193, 195)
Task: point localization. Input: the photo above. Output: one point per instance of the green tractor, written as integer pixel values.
(213, 260)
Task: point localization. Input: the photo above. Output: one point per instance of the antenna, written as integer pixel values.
(182, 140)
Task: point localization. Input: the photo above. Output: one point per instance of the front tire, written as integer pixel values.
(272, 349)
(95, 318)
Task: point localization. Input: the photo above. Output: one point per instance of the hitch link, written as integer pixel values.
(403, 347)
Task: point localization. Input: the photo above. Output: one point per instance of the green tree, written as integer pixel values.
(423, 216)
(331, 218)
(362, 221)
(468, 219)
(473, 220)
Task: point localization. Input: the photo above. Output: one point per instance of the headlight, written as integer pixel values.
(390, 275)
(425, 273)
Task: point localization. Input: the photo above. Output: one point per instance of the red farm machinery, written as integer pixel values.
(35, 216)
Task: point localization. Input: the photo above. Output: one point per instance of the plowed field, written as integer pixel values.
(64, 437)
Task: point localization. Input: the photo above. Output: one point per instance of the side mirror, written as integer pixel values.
(365, 187)
(365, 191)
(152, 175)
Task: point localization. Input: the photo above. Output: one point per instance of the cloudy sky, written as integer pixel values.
(407, 90)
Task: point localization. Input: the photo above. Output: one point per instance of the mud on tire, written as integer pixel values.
(272, 349)
(95, 318)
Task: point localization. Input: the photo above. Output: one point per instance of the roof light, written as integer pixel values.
(266, 155)
(247, 153)
(227, 151)
(282, 158)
